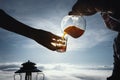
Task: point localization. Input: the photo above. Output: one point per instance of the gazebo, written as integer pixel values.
(27, 69)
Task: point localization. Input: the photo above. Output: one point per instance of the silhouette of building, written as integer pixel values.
(28, 68)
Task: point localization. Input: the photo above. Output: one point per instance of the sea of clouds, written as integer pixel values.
(60, 71)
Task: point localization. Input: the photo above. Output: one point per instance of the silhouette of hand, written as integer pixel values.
(89, 7)
(108, 9)
(82, 7)
(111, 22)
(45, 38)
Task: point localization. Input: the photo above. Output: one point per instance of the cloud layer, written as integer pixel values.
(60, 71)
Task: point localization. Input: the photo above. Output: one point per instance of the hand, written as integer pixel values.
(82, 8)
(45, 38)
(111, 22)
(88, 7)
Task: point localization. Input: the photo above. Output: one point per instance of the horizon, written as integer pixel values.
(59, 71)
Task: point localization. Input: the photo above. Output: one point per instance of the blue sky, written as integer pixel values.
(93, 48)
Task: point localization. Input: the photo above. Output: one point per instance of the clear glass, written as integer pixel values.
(60, 44)
(73, 25)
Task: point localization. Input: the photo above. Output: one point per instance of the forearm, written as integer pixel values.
(11, 24)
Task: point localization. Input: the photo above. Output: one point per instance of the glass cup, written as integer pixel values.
(60, 44)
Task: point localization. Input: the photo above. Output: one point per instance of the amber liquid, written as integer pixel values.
(61, 48)
(73, 31)
(61, 45)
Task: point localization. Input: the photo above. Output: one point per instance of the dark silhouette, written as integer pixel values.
(110, 12)
(41, 36)
(28, 68)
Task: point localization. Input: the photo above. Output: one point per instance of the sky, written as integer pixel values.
(94, 47)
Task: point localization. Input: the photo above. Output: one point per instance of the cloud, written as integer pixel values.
(61, 71)
(9, 66)
(76, 72)
(58, 67)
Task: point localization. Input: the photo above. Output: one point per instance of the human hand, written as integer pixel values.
(89, 7)
(82, 8)
(111, 22)
(46, 39)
